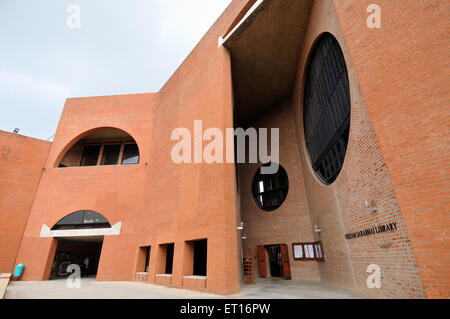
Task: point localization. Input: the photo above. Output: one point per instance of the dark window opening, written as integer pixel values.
(110, 154)
(200, 257)
(326, 108)
(143, 260)
(270, 190)
(90, 155)
(82, 219)
(169, 258)
(130, 154)
(147, 259)
(106, 146)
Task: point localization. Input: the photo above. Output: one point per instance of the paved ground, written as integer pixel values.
(91, 289)
(290, 289)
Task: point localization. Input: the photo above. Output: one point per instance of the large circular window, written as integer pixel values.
(326, 108)
(270, 190)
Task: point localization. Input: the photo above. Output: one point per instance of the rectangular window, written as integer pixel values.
(308, 251)
(169, 258)
(143, 260)
(298, 251)
(200, 257)
(195, 258)
(110, 154)
(90, 155)
(318, 250)
(130, 154)
(147, 259)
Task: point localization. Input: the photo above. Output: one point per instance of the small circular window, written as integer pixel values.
(270, 190)
(326, 108)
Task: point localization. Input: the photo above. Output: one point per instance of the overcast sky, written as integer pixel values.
(121, 47)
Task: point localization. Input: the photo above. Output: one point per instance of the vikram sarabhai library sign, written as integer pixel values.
(374, 230)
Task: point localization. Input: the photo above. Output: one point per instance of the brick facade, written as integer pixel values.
(396, 157)
(19, 179)
(407, 100)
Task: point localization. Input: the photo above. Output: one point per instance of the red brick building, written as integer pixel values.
(365, 188)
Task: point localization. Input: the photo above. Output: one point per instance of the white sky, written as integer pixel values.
(122, 47)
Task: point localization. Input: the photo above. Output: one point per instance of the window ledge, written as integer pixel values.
(142, 273)
(195, 277)
(92, 166)
(164, 275)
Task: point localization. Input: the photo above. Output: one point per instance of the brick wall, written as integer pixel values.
(291, 222)
(403, 74)
(21, 162)
(339, 208)
(115, 191)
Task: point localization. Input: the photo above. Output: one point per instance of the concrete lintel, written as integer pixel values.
(114, 230)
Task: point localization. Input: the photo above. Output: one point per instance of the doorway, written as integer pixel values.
(82, 251)
(276, 259)
(275, 263)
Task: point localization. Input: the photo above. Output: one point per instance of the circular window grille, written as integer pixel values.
(326, 108)
(270, 190)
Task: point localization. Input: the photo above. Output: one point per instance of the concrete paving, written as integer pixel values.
(292, 289)
(91, 289)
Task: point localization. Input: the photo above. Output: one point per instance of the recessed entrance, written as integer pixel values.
(275, 264)
(80, 239)
(274, 258)
(82, 251)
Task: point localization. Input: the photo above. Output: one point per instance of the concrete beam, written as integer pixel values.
(265, 50)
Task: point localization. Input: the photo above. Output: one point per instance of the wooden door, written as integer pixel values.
(262, 262)
(285, 262)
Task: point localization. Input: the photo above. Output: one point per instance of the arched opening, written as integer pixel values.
(104, 146)
(75, 249)
(82, 219)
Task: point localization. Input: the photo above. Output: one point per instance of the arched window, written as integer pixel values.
(105, 146)
(326, 108)
(82, 219)
(270, 190)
